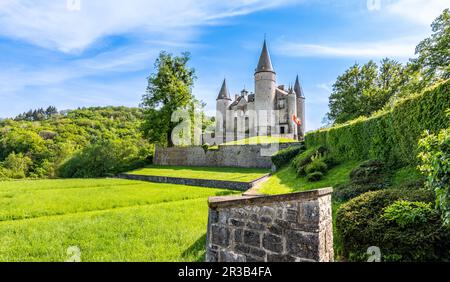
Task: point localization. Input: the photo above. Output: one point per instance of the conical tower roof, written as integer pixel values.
(224, 94)
(264, 64)
(298, 88)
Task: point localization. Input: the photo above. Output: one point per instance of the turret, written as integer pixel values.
(292, 111)
(222, 104)
(300, 107)
(265, 85)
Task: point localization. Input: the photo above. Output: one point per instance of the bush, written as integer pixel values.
(390, 136)
(284, 156)
(316, 166)
(368, 172)
(314, 176)
(362, 222)
(16, 166)
(405, 213)
(368, 176)
(104, 158)
(300, 162)
(435, 164)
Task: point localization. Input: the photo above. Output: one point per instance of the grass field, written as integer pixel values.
(215, 173)
(108, 219)
(286, 181)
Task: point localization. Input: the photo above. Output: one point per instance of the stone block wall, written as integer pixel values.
(293, 227)
(256, 156)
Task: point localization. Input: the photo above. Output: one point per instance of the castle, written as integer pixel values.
(272, 110)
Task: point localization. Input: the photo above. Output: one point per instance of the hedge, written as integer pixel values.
(284, 156)
(390, 136)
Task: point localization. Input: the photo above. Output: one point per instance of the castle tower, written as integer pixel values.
(292, 110)
(300, 107)
(265, 86)
(222, 104)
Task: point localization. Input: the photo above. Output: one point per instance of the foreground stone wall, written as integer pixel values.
(293, 227)
(257, 156)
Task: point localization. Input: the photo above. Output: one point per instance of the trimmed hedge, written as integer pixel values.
(391, 136)
(368, 220)
(284, 156)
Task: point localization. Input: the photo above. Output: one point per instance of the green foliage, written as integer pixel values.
(391, 136)
(405, 213)
(52, 142)
(435, 165)
(362, 90)
(316, 165)
(362, 222)
(314, 176)
(104, 158)
(169, 90)
(434, 52)
(300, 162)
(368, 176)
(15, 166)
(368, 172)
(284, 156)
(286, 180)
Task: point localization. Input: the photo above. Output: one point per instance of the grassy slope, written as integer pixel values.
(216, 173)
(109, 220)
(286, 180)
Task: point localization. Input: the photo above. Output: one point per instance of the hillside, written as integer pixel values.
(87, 142)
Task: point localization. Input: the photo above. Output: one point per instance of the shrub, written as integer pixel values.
(303, 159)
(362, 222)
(16, 165)
(405, 213)
(316, 165)
(314, 176)
(390, 136)
(104, 158)
(368, 176)
(435, 164)
(368, 172)
(284, 156)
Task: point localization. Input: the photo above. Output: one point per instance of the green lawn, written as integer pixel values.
(215, 173)
(286, 181)
(108, 219)
(261, 140)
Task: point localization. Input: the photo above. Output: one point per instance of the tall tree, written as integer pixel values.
(168, 90)
(434, 52)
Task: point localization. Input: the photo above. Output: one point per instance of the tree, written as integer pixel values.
(363, 90)
(434, 52)
(168, 90)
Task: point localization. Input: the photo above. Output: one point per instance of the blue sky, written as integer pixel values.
(100, 53)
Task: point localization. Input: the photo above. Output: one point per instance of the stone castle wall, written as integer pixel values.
(283, 228)
(256, 156)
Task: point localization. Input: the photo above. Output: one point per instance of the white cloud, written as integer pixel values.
(50, 24)
(403, 48)
(422, 12)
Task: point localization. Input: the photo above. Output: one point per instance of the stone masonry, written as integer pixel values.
(293, 227)
(257, 156)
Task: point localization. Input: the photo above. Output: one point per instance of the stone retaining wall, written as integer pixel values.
(257, 156)
(233, 185)
(292, 227)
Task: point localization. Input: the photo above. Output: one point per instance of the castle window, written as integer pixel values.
(281, 103)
